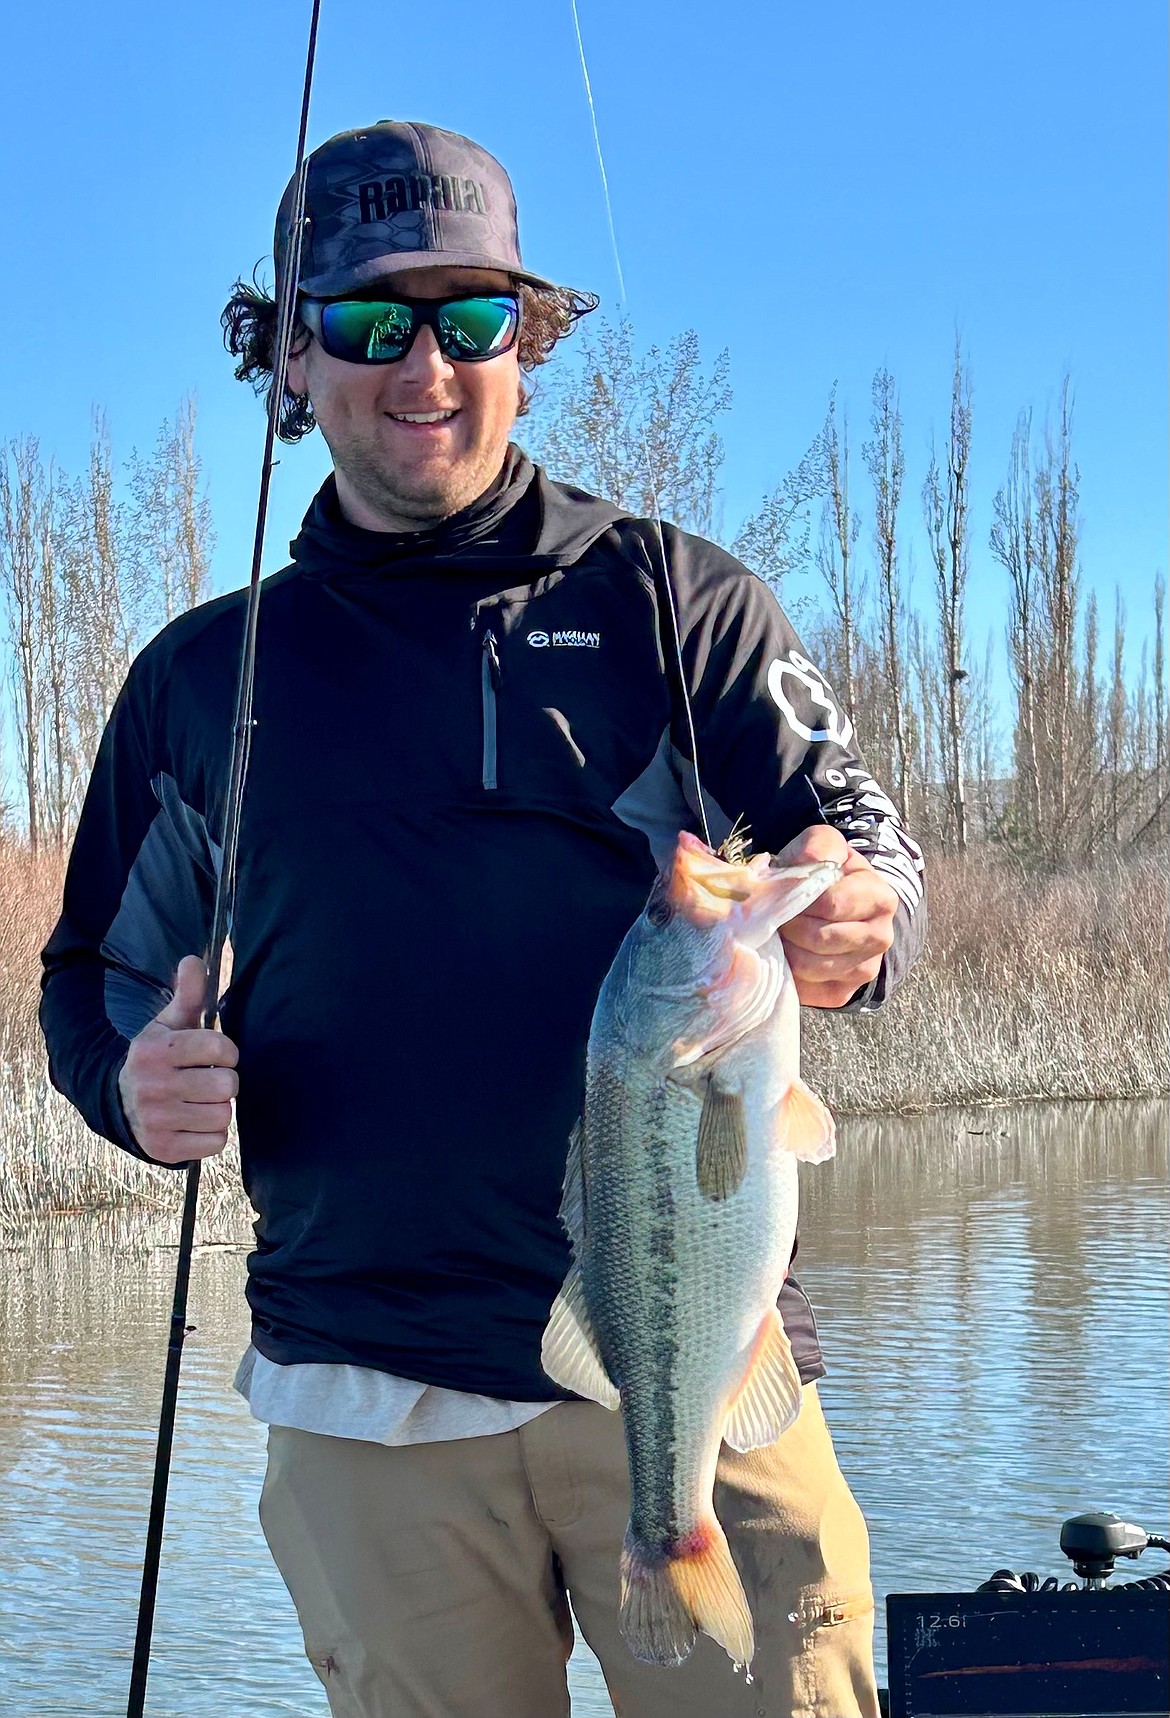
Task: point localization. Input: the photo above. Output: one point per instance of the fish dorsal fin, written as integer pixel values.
(769, 1397)
(569, 1352)
(804, 1126)
(573, 1197)
(721, 1152)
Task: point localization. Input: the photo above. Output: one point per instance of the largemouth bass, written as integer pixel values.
(680, 1200)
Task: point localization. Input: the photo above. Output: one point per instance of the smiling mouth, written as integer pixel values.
(423, 417)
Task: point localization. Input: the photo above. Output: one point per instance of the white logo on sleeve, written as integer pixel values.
(809, 688)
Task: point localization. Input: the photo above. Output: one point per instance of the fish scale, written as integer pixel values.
(632, 1256)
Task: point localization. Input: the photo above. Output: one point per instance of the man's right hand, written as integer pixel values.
(178, 1080)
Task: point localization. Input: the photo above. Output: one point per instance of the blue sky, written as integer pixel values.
(821, 189)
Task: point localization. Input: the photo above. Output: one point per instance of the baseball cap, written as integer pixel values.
(399, 195)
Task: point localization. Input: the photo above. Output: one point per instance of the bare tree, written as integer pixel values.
(1013, 543)
(929, 813)
(84, 575)
(982, 744)
(1057, 534)
(774, 542)
(169, 528)
(1091, 706)
(22, 503)
(7, 803)
(1160, 760)
(61, 783)
(887, 468)
(639, 430)
(105, 600)
(834, 554)
(1117, 716)
(946, 505)
(1140, 744)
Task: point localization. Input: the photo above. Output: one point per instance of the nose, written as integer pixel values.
(424, 362)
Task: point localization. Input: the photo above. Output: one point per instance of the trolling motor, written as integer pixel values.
(1034, 1648)
(1092, 1543)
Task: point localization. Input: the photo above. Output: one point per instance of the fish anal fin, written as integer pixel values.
(569, 1352)
(769, 1397)
(721, 1152)
(804, 1126)
(667, 1600)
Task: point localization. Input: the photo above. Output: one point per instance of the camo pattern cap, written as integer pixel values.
(400, 195)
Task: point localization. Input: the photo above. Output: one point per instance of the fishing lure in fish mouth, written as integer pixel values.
(736, 847)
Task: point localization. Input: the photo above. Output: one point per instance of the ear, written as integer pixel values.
(297, 378)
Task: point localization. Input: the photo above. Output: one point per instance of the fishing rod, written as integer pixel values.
(225, 888)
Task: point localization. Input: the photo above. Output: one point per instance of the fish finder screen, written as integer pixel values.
(1099, 1653)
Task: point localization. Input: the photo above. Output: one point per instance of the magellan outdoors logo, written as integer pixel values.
(381, 199)
(571, 639)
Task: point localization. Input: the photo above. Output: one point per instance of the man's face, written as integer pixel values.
(393, 474)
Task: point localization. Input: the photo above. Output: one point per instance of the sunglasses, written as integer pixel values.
(382, 330)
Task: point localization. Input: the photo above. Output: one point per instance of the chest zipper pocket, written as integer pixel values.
(489, 679)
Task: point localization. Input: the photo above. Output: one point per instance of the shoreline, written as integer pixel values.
(1051, 984)
(225, 1218)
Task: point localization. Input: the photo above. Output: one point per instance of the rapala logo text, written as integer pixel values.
(571, 639)
(382, 199)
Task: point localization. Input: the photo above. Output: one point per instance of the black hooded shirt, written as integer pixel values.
(468, 760)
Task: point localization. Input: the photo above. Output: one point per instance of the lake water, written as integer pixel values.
(991, 1288)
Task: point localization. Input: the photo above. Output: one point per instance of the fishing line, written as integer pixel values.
(600, 157)
(651, 477)
(224, 898)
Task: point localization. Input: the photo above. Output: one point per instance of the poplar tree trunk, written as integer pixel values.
(21, 504)
(947, 513)
(839, 529)
(1013, 543)
(886, 465)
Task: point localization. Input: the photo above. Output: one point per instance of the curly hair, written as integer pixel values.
(547, 314)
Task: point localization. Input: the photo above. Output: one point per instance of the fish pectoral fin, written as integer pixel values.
(804, 1126)
(573, 1196)
(569, 1352)
(769, 1397)
(721, 1151)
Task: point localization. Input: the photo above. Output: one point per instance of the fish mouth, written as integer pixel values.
(703, 887)
(756, 896)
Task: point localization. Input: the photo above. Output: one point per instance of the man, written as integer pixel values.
(470, 748)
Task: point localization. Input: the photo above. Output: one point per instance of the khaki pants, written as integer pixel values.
(430, 1580)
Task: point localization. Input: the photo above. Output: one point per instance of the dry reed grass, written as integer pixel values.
(49, 1160)
(1050, 986)
(1043, 987)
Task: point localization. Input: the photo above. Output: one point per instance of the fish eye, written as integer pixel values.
(659, 911)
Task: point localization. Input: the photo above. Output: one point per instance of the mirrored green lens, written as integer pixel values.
(380, 331)
(366, 333)
(476, 327)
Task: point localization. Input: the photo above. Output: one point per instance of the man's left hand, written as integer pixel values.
(835, 947)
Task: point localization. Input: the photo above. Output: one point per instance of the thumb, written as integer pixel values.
(185, 1009)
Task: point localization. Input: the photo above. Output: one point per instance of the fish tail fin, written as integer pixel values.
(667, 1600)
